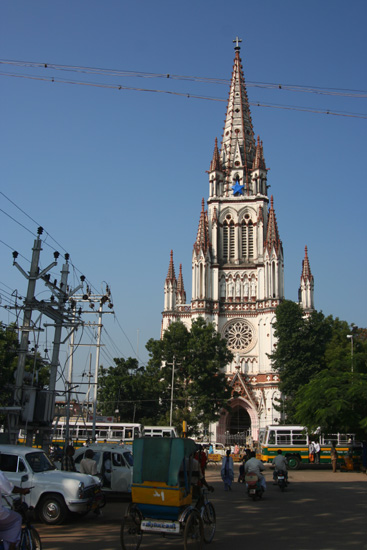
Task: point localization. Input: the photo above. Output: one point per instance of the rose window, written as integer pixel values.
(239, 336)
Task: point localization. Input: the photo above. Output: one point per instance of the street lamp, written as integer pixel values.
(350, 336)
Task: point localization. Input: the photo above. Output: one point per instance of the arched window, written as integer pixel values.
(232, 249)
(247, 240)
(229, 248)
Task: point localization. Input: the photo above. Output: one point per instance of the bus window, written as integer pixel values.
(117, 435)
(271, 439)
(128, 434)
(136, 433)
(299, 438)
(283, 437)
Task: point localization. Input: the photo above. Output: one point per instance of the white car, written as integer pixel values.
(54, 493)
(116, 459)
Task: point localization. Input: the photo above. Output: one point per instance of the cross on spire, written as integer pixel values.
(237, 40)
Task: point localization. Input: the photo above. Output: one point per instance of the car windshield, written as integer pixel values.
(39, 462)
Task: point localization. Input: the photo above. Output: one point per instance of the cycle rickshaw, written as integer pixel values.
(162, 495)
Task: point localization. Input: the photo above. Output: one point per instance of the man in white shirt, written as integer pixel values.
(255, 466)
(317, 452)
(10, 521)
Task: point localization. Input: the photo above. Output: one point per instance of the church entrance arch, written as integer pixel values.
(237, 424)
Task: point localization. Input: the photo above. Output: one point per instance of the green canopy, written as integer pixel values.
(160, 458)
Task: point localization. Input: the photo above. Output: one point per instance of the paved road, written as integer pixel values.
(318, 511)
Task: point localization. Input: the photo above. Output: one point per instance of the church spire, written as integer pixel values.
(272, 240)
(215, 165)
(171, 276)
(238, 144)
(181, 294)
(170, 286)
(202, 239)
(259, 162)
(306, 290)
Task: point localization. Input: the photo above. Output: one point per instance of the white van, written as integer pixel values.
(114, 465)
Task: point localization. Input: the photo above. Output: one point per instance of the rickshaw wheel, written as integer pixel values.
(131, 534)
(209, 521)
(194, 532)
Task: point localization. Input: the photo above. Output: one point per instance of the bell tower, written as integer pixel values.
(238, 267)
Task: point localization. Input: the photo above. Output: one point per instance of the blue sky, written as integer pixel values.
(116, 177)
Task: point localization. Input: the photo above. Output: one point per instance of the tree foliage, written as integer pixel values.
(128, 391)
(300, 349)
(200, 387)
(8, 362)
(196, 360)
(322, 378)
(335, 401)
(9, 346)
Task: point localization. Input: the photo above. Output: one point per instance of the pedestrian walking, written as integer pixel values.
(333, 456)
(227, 471)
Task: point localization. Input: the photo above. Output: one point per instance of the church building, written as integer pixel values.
(238, 270)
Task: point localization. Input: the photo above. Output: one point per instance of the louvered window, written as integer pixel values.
(247, 237)
(225, 242)
(232, 249)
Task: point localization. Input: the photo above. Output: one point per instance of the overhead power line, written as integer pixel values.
(347, 93)
(344, 92)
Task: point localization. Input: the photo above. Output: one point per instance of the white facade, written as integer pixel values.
(238, 268)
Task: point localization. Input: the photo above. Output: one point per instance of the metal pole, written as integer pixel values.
(350, 336)
(172, 384)
(96, 370)
(69, 382)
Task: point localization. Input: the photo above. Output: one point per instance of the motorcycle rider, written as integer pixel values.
(255, 466)
(281, 464)
(10, 521)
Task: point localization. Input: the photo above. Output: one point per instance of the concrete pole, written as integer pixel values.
(96, 370)
(23, 349)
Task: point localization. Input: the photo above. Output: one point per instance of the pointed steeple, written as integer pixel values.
(170, 286)
(259, 162)
(215, 165)
(306, 290)
(202, 239)
(306, 270)
(181, 294)
(238, 144)
(272, 234)
(171, 276)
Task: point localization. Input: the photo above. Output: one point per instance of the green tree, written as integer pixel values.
(200, 389)
(131, 390)
(9, 346)
(300, 350)
(8, 362)
(335, 401)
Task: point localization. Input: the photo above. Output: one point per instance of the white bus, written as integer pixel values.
(159, 431)
(81, 432)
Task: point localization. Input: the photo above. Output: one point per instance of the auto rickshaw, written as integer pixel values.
(163, 495)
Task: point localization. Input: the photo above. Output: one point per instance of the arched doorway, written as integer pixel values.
(238, 426)
(238, 423)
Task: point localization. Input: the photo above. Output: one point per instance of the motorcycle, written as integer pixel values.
(281, 479)
(254, 488)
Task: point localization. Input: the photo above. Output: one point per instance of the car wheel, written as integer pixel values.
(52, 510)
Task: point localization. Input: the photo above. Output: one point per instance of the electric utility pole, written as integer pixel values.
(33, 276)
(56, 310)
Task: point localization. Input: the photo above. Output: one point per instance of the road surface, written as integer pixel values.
(319, 510)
